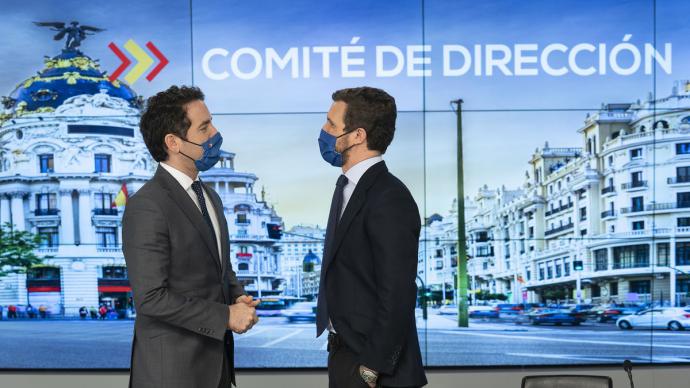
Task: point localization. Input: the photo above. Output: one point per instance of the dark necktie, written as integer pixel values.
(196, 186)
(333, 218)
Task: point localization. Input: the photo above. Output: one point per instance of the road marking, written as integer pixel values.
(251, 333)
(520, 337)
(283, 338)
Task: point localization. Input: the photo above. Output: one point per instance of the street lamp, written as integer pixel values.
(461, 280)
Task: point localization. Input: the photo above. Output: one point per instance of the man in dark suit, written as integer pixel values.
(176, 245)
(367, 293)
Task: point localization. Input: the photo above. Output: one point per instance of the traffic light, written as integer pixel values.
(578, 265)
(275, 231)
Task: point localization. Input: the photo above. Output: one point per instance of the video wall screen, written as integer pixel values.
(575, 132)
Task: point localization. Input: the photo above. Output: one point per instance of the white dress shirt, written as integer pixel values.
(186, 182)
(354, 174)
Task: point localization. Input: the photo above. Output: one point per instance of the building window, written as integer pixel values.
(583, 214)
(613, 288)
(683, 253)
(682, 148)
(46, 204)
(245, 267)
(528, 274)
(49, 237)
(636, 153)
(46, 163)
(683, 285)
(242, 220)
(549, 271)
(103, 204)
(610, 161)
(682, 174)
(683, 200)
(557, 266)
(640, 286)
(43, 273)
(636, 179)
(115, 272)
(601, 261)
(439, 264)
(566, 266)
(683, 221)
(541, 271)
(632, 256)
(102, 163)
(596, 291)
(637, 204)
(638, 225)
(106, 236)
(663, 253)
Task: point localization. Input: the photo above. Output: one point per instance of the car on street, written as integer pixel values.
(301, 312)
(672, 318)
(483, 312)
(556, 316)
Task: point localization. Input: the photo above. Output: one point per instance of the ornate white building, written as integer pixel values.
(297, 244)
(69, 140)
(619, 206)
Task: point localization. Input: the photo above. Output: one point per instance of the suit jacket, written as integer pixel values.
(369, 271)
(181, 289)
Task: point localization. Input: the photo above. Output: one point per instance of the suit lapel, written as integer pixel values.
(353, 206)
(189, 208)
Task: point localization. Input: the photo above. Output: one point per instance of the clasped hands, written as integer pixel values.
(243, 314)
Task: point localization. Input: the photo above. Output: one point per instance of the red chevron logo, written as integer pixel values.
(144, 61)
(163, 61)
(123, 58)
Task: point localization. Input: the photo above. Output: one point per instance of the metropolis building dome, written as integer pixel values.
(69, 143)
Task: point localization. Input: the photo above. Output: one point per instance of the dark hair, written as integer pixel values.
(372, 109)
(165, 113)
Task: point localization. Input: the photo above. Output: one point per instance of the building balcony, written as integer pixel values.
(657, 207)
(559, 229)
(634, 185)
(677, 180)
(243, 222)
(245, 256)
(627, 210)
(633, 264)
(608, 214)
(109, 248)
(608, 190)
(105, 212)
(46, 212)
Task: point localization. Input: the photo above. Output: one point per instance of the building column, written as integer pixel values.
(672, 272)
(85, 225)
(4, 210)
(18, 216)
(576, 218)
(609, 256)
(66, 218)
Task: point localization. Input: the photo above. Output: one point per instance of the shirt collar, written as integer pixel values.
(184, 179)
(355, 173)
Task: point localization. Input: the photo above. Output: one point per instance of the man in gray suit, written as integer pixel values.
(176, 245)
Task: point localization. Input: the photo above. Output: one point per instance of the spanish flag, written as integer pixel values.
(121, 197)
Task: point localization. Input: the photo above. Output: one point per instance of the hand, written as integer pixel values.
(248, 300)
(242, 317)
(364, 368)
